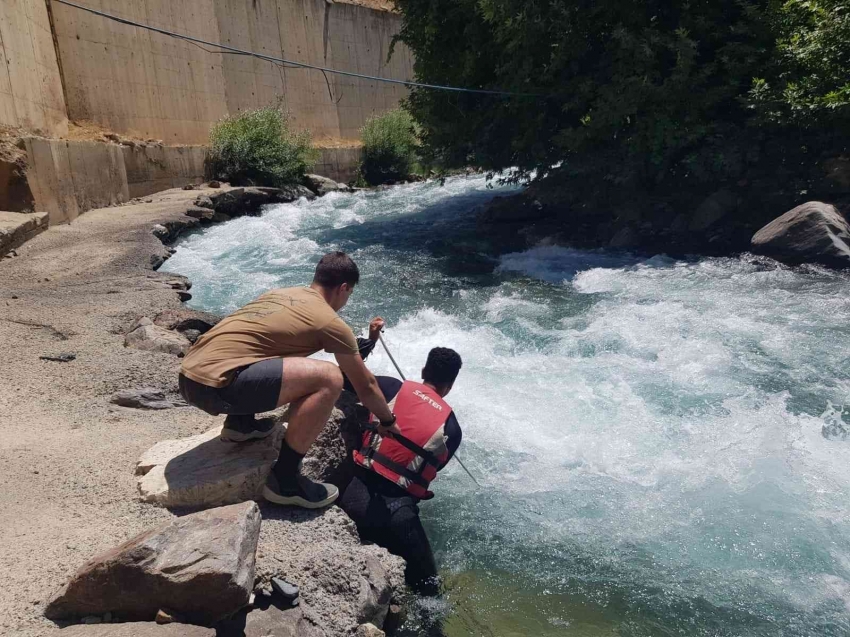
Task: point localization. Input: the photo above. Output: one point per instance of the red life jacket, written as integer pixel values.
(411, 460)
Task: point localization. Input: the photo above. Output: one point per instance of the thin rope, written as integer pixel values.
(268, 58)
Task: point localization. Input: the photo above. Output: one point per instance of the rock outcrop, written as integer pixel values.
(137, 629)
(814, 232)
(270, 620)
(201, 566)
(203, 471)
(249, 201)
(147, 336)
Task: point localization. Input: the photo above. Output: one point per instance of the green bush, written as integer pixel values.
(389, 147)
(257, 148)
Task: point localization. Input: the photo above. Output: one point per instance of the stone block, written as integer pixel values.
(16, 228)
(201, 566)
(203, 471)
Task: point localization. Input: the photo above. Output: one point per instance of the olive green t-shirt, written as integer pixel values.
(279, 324)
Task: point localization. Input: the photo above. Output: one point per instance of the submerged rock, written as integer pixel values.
(814, 232)
(201, 565)
(203, 471)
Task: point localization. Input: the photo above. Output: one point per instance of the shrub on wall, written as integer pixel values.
(389, 147)
(257, 148)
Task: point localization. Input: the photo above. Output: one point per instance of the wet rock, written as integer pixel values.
(203, 471)
(192, 335)
(201, 565)
(220, 217)
(624, 238)
(369, 630)
(715, 207)
(184, 296)
(249, 201)
(322, 185)
(179, 284)
(814, 232)
(150, 337)
(200, 213)
(137, 629)
(145, 398)
(189, 187)
(214, 184)
(186, 319)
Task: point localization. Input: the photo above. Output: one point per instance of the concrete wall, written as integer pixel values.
(68, 177)
(340, 164)
(134, 81)
(30, 84)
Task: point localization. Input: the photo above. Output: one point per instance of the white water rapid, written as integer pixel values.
(661, 444)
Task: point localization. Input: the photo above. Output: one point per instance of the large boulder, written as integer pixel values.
(249, 201)
(203, 471)
(147, 336)
(814, 232)
(322, 185)
(200, 566)
(137, 629)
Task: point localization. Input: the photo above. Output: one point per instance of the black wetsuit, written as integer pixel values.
(388, 515)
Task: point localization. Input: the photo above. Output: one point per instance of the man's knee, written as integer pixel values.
(332, 378)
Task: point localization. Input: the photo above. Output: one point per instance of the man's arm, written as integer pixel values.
(454, 435)
(366, 386)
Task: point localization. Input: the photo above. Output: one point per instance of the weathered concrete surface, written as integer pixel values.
(203, 471)
(16, 228)
(30, 85)
(201, 566)
(137, 629)
(134, 81)
(69, 177)
(15, 193)
(340, 164)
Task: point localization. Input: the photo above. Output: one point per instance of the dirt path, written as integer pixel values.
(67, 488)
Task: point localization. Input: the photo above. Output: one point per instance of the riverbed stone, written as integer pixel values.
(272, 621)
(137, 629)
(147, 336)
(713, 208)
(814, 232)
(200, 565)
(204, 471)
(369, 630)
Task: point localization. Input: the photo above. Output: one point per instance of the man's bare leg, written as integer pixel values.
(310, 388)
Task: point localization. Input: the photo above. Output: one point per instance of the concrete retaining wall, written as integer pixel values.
(340, 164)
(30, 84)
(134, 81)
(67, 177)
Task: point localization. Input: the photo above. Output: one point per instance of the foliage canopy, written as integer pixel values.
(258, 148)
(632, 94)
(389, 147)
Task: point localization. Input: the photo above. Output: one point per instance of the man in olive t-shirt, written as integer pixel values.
(255, 360)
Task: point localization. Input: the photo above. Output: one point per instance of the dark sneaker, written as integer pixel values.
(309, 494)
(242, 428)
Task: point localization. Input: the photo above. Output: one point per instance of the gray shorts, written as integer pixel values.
(253, 390)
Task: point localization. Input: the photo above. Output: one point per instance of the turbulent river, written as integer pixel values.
(662, 445)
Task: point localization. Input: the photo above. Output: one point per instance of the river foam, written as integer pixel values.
(649, 434)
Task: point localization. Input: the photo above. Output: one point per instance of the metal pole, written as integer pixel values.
(401, 373)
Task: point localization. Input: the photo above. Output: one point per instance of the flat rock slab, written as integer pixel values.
(202, 471)
(154, 338)
(145, 398)
(137, 629)
(201, 566)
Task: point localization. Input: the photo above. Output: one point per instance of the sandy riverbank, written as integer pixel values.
(66, 454)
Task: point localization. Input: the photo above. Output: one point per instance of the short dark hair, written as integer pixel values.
(442, 367)
(336, 268)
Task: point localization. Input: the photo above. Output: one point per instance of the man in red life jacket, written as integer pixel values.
(393, 472)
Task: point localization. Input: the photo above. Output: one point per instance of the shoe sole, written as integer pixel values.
(229, 435)
(297, 500)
